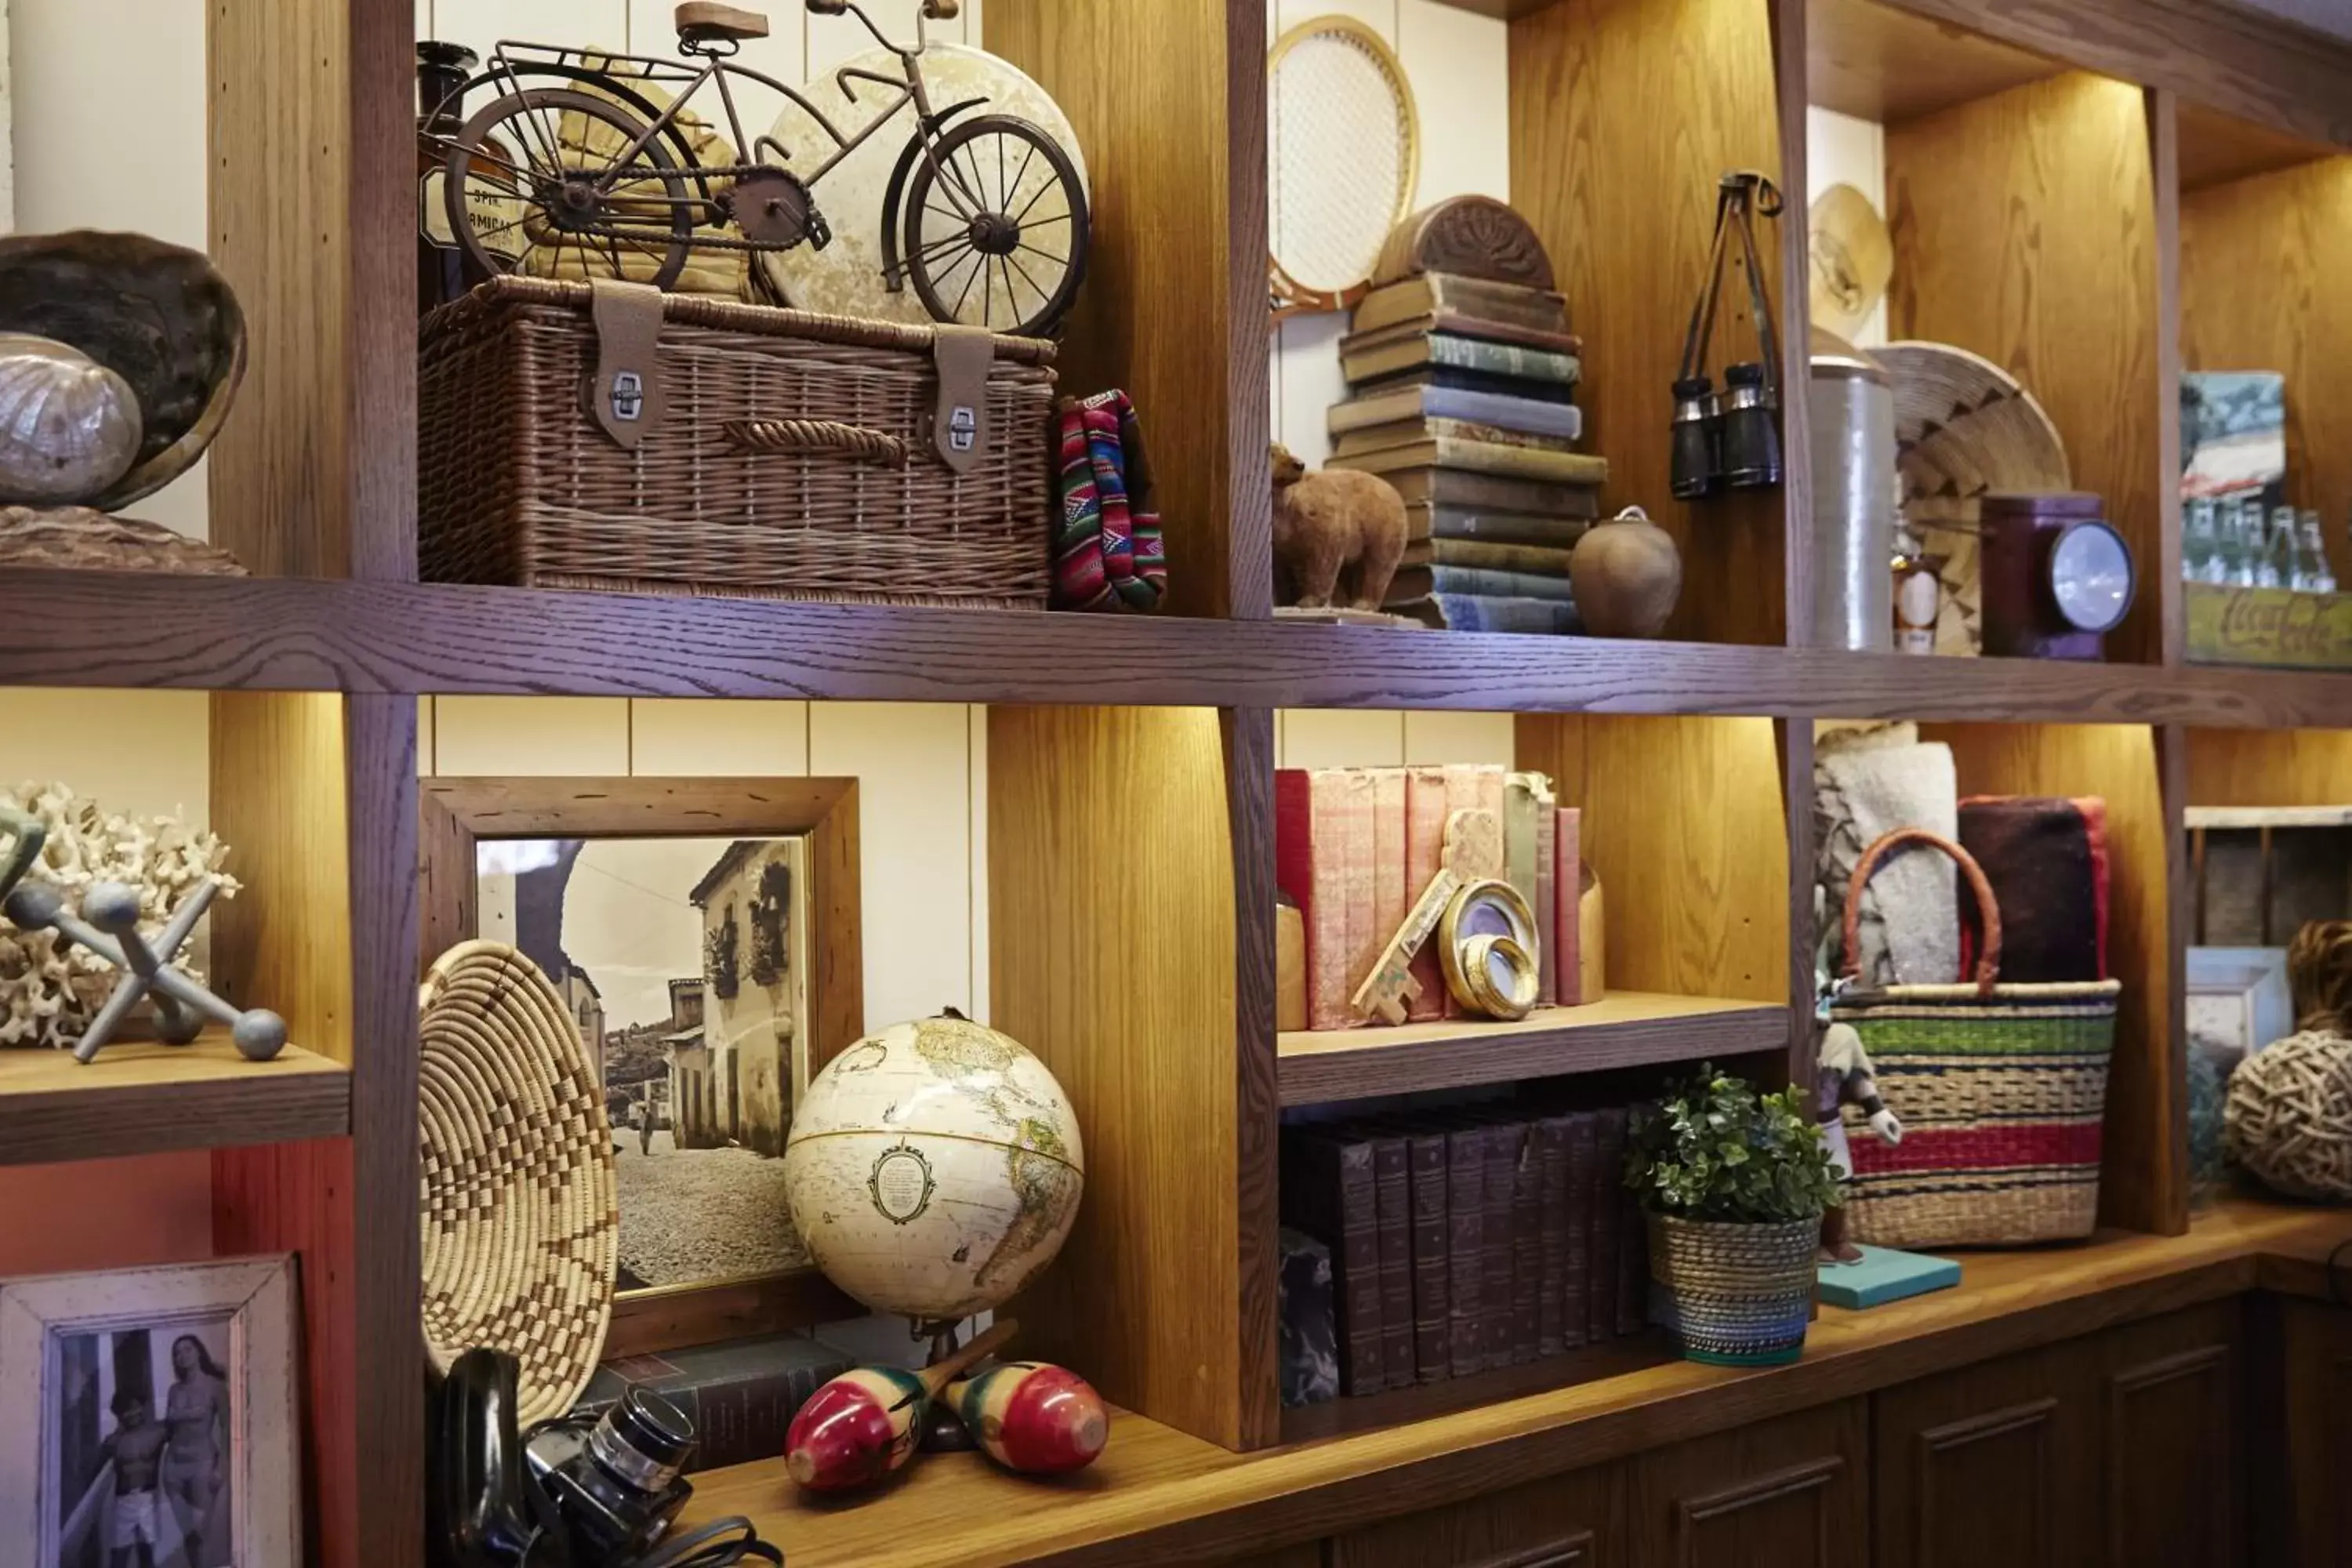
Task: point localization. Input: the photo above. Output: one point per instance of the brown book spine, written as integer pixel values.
(1392, 1201)
(1608, 1225)
(1424, 855)
(1431, 1349)
(1632, 1268)
(1465, 1258)
(1576, 1270)
(1550, 1138)
(1527, 1244)
(1502, 1181)
(1328, 1190)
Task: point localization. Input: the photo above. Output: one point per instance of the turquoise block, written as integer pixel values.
(1884, 1276)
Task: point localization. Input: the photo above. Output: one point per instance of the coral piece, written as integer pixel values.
(1335, 519)
(50, 990)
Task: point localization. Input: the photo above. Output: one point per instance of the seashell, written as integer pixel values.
(69, 428)
(159, 316)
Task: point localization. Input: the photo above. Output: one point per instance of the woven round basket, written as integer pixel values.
(2289, 1115)
(1733, 1295)
(521, 1224)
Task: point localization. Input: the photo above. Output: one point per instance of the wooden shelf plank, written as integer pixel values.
(136, 629)
(143, 1098)
(2227, 816)
(1625, 1028)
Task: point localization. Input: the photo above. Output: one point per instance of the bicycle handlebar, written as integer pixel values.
(942, 10)
(827, 7)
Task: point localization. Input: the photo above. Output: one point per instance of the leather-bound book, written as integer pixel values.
(1527, 1244)
(1465, 1253)
(1357, 846)
(1425, 1166)
(742, 1394)
(1503, 1141)
(1633, 1265)
(1526, 800)
(1608, 1225)
(1392, 1206)
(1546, 909)
(1575, 1272)
(1566, 917)
(1310, 866)
(1425, 854)
(1390, 900)
(1328, 1190)
(1550, 1136)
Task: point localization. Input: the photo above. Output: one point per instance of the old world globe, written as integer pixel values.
(934, 1169)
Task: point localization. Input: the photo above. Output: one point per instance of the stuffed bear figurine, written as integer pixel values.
(1334, 519)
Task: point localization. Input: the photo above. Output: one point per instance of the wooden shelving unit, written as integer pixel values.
(143, 1098)
(1625, 1029)
(2067, 179)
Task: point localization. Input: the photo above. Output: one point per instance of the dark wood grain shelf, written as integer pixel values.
(131, 629)
(1625, 1028)
(1423, 1402)
(142, 1098)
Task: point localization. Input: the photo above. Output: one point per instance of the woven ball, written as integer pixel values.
(2290, 1115)
(521, 1218)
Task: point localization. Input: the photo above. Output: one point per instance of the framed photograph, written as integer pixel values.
(150, 1418)
(703, 936)
(2238, 1001)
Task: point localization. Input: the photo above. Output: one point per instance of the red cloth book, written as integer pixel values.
(1310, 865)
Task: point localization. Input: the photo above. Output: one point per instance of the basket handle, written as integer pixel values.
(818, 436)
(1988, 911)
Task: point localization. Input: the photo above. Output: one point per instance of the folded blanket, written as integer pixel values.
(1868, 782)
(1108, 554)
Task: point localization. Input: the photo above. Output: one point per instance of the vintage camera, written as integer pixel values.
(1696, 434)
(1748, 453)
(616, 1482)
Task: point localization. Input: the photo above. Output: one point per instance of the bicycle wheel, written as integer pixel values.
(536, 183)
(996, 228)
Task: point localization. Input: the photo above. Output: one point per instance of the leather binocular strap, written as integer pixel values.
(1739, 196)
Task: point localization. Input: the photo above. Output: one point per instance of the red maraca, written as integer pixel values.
(1028, 1416)
(863, 1425)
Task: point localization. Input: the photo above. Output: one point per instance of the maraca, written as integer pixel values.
(863, 1425)
(1028, 1416)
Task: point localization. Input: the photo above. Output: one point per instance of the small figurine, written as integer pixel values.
(1333, 519)
(108, 927)
(864, 1425)
(1028, 1416)
(1844, 1077)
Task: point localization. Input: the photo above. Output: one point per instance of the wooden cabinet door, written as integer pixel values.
(1562, 1522)
(2170, 1396)
(1991, 1464)
(2304, 1470)
(1306, 1555)
(1793, 1492)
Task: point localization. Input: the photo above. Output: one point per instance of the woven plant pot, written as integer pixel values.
(1733, 1295)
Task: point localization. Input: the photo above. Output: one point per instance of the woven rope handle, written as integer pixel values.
(1988, 961)
(817, 436)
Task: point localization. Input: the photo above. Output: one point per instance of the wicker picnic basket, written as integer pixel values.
(743, 451)
(2002, 1090)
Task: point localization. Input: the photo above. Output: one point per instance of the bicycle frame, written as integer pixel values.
(716, 68)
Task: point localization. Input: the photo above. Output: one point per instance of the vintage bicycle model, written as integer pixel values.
(985, 218)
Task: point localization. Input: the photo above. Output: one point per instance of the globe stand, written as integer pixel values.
(943, 1430)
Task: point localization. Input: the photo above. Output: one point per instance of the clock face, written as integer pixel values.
(2091, 576)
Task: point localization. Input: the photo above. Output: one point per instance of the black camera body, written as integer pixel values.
(616, 1481)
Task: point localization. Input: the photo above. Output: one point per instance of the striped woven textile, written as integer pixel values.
(2003, 1100)
(1107, 552)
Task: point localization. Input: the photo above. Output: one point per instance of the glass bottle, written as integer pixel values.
(2320, 577)
(443, 270)
(1918, 594)
(2201, 543)
(2239, 524)
(2276, 569)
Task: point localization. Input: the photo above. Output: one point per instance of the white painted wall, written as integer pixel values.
(1841, 150)
(1458, 65)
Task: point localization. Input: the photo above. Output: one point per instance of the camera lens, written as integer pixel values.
(643, 1441)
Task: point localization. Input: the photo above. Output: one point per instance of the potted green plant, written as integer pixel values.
(1735, 1183)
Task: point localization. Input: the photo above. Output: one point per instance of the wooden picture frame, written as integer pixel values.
(65, 1338)
(458, 813)
(2238, 1000)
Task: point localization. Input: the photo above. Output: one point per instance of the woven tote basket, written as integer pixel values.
(521, 1218)
(1733, 1295)
(2002, 1090)
(790, 457)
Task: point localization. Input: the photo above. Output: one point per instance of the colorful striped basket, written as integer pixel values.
(2002, 1090)
(1733, 1295)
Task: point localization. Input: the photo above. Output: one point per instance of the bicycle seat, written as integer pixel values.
(706, 21)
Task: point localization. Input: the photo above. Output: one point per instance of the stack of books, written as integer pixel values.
(1463, 398)
(1465, 1240)
(1354, 848)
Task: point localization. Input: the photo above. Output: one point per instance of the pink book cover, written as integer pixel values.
(1360, 856)
(1308, 866)
(1390, 900)
(1566, 876)
(1424, 853)
(1469, 786)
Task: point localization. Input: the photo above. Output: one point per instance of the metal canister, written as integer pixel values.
(1852, 408)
